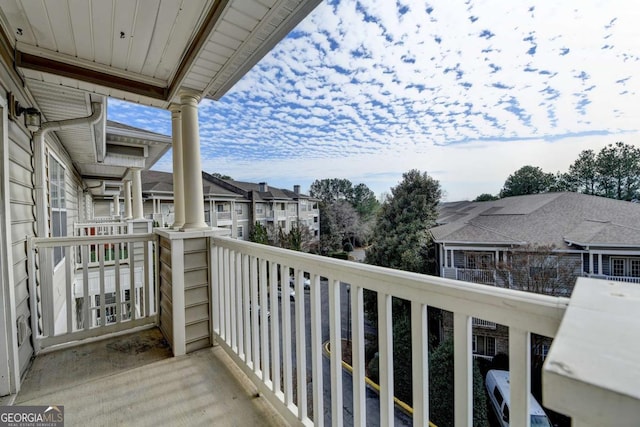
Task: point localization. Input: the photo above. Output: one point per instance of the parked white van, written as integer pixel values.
(497, 383)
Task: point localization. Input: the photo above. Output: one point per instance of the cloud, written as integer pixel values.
(382, 84)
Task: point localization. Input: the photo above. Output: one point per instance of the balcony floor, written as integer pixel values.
(134, 380)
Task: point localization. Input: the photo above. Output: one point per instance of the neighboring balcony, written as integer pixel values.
(473, 275)
(204, 289)
(224, 218)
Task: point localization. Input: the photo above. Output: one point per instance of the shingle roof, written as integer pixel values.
(272, 193)
(541, 219)
(163, 182)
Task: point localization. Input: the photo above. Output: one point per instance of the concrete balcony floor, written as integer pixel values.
(134, 380)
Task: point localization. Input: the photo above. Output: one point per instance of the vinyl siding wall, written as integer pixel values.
(23, 226)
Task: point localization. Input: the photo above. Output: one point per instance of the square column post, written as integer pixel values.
(191, 164)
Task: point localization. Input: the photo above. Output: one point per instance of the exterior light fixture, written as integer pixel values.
(32, 117)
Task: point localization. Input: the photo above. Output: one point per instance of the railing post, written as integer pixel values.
(188, 274)
(519, 376)
(420, 360)
(463, 370)
(385, 360)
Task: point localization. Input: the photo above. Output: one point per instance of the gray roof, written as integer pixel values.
(272, 193)
(541, 219)
(156, 181)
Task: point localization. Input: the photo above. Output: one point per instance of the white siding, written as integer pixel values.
(23, 226)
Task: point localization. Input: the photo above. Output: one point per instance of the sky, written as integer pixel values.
(467, 91)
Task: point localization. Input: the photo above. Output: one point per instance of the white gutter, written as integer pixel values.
(45, 282)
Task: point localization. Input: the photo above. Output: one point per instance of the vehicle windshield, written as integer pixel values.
(540, 421)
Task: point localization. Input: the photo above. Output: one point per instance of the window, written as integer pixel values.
(220, 208)
(479, 260)
(498, 396)
(239, 209)
(629, 267)
(58, 210)
(259, 209)
(240, 231)
(483, 345)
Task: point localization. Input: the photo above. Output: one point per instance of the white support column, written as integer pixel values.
(178, 171)
(191, 165)
(137, 194)
(591, 270)
(116, 204)
(127, 200)
(600, 270)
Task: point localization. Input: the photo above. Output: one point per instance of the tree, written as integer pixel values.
(330, 240)
(618, 169)
(486, 197)
(364, 202)
(401, 241)
(220, 176)
(330, 190)
(259, 234)
(347, 221)
(346, 212)
(583, 173)
(527, 180)
(400, 235)
(441, 371)
(539, 269)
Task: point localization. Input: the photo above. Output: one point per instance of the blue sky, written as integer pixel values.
(468, 91)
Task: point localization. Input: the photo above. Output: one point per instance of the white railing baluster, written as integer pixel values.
(264, 322)
(86, 315)
(335, 343)
(69, 279)
(385, 360)
(132, 279)
(255, 336)
(287, 369)
(463, 372)
(316, 351)
(519, 376)
(420, 361)
(246, 309)
(357, 357)
(275, 327)
(301, 346)
(216, 305)
(239, 314)
(232, 300)
(227, 297)
(145, 280)
(103, 314)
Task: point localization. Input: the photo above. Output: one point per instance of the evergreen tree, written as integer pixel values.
(441, 372)
(259, 234)
(400, 235)
(527, 180)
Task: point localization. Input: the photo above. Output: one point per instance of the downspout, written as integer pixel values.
(46, 282)
(39, 137)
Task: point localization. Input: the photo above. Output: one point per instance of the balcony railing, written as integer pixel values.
(224, 216)
(485, 277)
(481, 323)
(111, 251)
(80, 302)
(267, 337)
(626, 279)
